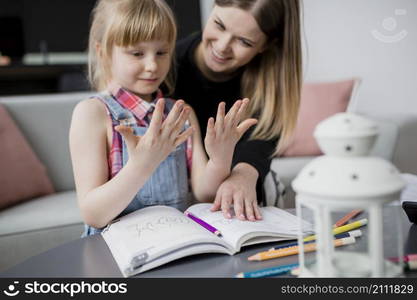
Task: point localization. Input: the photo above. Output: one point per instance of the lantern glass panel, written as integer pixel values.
(356, 259)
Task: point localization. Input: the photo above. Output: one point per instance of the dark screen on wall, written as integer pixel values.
(63, 25)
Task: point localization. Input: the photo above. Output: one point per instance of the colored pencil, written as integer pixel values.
(354, 233)
(278, 270)
(348, 217)
(341, 229)
(202, 223)
(409, 261)
(294, 250)
(406, 258)
(295, 271)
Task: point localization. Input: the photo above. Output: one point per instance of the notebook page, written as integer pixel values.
(153, 231)
(275, 223)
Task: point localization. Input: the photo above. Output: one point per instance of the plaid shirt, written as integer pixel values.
(142, 110)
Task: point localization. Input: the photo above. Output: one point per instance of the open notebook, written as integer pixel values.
(156, 235)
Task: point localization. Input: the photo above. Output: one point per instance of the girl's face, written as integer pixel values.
(231, 39)
(141, 68)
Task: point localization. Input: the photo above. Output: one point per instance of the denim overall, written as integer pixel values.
(168, 185)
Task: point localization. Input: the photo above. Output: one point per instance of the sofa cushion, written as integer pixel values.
(59, 209)
(45, 120)
(318, 102)
(22, 175)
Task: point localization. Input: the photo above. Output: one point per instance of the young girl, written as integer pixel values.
(130, 147)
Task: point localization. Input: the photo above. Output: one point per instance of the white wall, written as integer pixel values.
(340, 43)
(205, 7)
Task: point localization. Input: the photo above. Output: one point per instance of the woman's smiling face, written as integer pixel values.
(231, 39)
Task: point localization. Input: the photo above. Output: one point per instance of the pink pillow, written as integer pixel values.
(318, 102)
(22, 175)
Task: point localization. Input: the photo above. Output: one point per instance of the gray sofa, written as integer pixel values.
(42, 223)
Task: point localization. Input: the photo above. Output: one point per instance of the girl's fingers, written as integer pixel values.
(241, 111)
(230, 118)
(174, 114)
(210, 133)
(245, 125)
(179, 124)
(183, 136)
(220, 117)
(157, 117)
(127, 133)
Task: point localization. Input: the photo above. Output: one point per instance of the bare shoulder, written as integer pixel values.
(91, 108)
(89, 118)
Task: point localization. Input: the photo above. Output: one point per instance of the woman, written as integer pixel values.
(249, 48)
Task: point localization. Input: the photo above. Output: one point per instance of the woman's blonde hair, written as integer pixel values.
(125, 23)
(273, 78)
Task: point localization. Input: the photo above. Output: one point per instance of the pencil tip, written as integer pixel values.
(295, 271)
(253, 257)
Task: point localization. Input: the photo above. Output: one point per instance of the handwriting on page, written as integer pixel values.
(159, 224)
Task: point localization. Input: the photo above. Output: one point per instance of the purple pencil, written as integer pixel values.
(202, 223)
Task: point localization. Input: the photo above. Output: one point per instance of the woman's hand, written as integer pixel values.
(239, 191)
(223, 133)
(161, 138)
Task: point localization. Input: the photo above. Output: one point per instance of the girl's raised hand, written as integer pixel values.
(223, 134)
(162, 136)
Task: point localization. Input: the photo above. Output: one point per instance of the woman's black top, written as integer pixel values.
(205, 95)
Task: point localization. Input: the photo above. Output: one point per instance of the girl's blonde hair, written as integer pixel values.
(272, 80)
(125, 23)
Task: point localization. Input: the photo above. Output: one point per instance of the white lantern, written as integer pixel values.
(343, 179)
